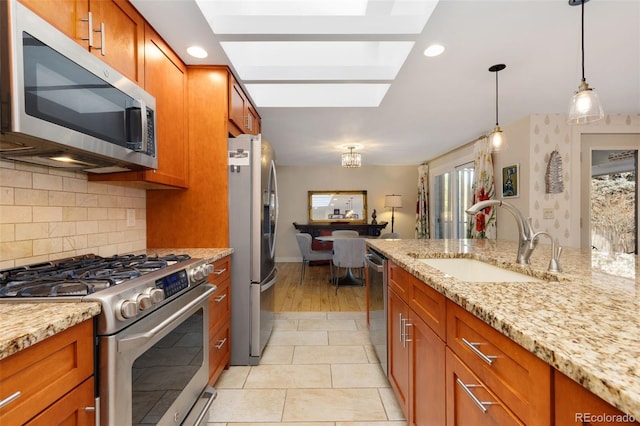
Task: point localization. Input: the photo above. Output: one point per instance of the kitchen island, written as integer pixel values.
(584, 322)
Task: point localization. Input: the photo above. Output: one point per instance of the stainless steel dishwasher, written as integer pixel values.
(377, 284)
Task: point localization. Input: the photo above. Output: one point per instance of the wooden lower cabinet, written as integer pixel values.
(54, 378)
(416, 364)
(575, 405)
(220, 319)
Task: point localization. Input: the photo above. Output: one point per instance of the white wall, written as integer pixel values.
(378, 181)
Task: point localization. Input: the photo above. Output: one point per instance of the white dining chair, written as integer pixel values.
(345, 233)
(308, 253)
(348, 253)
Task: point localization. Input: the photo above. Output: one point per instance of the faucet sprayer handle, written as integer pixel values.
(554, 263)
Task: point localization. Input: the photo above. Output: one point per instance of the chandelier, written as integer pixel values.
(351, 159)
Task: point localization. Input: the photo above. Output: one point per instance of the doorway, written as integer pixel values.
(609, 187)
(453, 195)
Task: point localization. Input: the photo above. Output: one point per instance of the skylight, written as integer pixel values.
(306, 53)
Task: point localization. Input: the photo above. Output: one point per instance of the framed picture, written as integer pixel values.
(511, 181)
(336, 211)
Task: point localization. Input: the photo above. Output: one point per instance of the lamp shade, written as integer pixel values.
(585, 106)
(393, 200)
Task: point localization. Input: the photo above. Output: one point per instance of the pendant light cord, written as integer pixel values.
(496, 98)
(582, 33)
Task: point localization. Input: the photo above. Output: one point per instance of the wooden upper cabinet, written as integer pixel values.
(123, 29)
(243, 117)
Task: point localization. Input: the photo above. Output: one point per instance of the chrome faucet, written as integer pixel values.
(554, 263)
(526, 241)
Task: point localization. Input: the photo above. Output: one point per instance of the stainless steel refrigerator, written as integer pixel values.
(253, 218)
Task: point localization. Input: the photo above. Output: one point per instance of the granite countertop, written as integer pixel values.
(24, 324)
(585, 321)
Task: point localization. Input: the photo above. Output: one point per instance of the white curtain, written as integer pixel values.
(422, 204)
(483, 224)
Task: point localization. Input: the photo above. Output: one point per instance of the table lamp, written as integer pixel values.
(394, 202)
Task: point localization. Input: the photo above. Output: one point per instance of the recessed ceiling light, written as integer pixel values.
(434, 50)
(197, 52)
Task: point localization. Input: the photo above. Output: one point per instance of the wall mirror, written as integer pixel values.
(337, 206)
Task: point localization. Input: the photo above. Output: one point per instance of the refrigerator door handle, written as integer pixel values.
(266, 286)
(276, 208)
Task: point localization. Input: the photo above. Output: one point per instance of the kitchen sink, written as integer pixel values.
(471, 270)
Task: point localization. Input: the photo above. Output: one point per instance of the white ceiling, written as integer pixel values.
(436, 104)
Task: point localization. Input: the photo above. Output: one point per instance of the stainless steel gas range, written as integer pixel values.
(152, 352)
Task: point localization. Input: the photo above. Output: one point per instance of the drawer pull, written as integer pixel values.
(221, 343)
(467, 389)
(220, 272)
(220, 298)
(96, 410)
(9, 399)
(486, 358)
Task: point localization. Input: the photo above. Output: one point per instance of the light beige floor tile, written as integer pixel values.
(347, 315)
(248, 405)
(277, 355)
(216, 424)
(333, 405)
(233, 378)
(329, 355)
(288, 424)
(292, 338)
(289, 376)
(349, 338)
(285, 324)
(301, 315)
(326, 324)
(401, 423)
(391, 406)
(371, 354)
(358, 376)
(362, 324)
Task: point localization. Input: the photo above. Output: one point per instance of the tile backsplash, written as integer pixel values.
(47, 214)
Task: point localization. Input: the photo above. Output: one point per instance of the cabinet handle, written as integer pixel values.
(220, 272)
(10, 398)
(406, 333)
(221, 343)
(472, 345)
(220, 298)
(103, 47)
(95, 410)
(467, 389)
(89, 20)
(401, 329)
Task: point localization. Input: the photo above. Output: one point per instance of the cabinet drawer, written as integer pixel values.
(219, 352)
(430, 306)
(221, 270)
(219, 306)
(470, 401)
(520, 379)
(75, 408)
(399, 281)
(45, 371)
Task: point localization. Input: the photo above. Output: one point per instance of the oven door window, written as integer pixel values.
(162, 372)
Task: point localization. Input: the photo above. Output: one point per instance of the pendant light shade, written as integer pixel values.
(585, 106)
(496, 138)
(351, 159)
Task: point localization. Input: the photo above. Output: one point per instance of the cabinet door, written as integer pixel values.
(238, 106)
(398, 350)
(166, 79)
(254, 120)
(68, 16)
(123, 36)
(219, 352)
(469, 401)
(77, 408)
(427, 374)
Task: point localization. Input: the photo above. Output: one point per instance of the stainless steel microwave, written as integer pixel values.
(61, 106)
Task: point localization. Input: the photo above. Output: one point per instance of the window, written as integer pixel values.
(452, 195)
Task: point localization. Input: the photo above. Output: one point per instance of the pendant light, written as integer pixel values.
(351, 159)
(585, 106)
(497, 138)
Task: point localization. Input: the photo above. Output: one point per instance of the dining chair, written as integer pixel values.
(348, 253)
(308, 253)
(389, 236)
(345, 233)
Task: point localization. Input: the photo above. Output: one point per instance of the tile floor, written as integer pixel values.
(318, 369)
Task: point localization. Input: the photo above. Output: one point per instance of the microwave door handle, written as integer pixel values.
(143, 122)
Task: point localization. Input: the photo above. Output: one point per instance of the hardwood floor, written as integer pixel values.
(315, 293)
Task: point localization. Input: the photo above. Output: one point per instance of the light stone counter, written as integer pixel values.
(23, 324)
(585, 322)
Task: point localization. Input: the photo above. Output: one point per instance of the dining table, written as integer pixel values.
(348, 278)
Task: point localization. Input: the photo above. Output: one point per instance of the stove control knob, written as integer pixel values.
(144, 301)
(197, 274)
(126, 309)
(208, 269)
(156, 294)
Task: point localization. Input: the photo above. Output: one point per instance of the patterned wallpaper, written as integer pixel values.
(549, 132)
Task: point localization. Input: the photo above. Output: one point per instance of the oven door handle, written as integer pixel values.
(136, 340)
